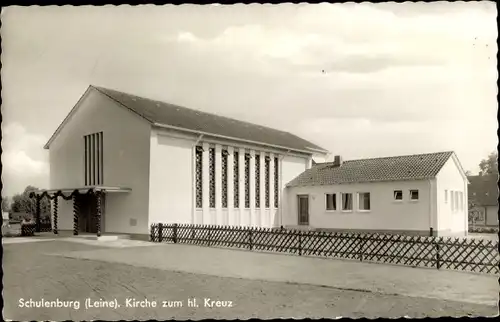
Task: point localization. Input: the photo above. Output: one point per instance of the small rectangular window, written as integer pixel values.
(398, 194)
(347, 201)
(364, 201)
(413, 194)
(446, 196)
(452, 201)
(456, 201)
(331, 201)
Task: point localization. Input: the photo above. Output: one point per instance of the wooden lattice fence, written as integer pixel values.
(474, 255)
(29, 229)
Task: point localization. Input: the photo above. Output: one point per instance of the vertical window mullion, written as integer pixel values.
(236, 178)
(212, 177)
(101, 161)
(93, 160)
(276, 183)
(199, 177)
(247, 180)
(267, 181)
(224, 178)
(257, 181)
(85, 161)
(98, 158)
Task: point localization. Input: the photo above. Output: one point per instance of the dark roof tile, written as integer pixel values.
(190, 119)
(399, 168)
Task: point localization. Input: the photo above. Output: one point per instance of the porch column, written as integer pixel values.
(99, 195)
(241, 187)
(37, 213)
(218, 186)
(230, 186)
(272, 186)
(206, 220)
(263, 219)
(56, 198)
(75, 215)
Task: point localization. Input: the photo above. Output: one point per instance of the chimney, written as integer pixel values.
(337, 161)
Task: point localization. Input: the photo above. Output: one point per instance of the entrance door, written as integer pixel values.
(87, 219)
(303, 208)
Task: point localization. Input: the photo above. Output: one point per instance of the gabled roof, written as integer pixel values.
(483, 190)
(398, 168)
(169, 115)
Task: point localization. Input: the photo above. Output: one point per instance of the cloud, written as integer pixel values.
(415, 69)
(358, 38)
(23, 159)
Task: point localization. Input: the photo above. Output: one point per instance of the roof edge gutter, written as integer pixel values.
(172, 127)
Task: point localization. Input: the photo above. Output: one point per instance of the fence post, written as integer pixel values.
(175, 233)
(300, 243)
(250, 238)
(160, 232)
(361, 244)
(438, 264)
(209, 235)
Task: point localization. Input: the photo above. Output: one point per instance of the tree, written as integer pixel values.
(5, 204)
(489, 165)
(21, 202)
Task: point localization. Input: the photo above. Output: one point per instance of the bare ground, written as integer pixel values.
(31, 274)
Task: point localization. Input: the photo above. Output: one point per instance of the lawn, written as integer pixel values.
(30, 272)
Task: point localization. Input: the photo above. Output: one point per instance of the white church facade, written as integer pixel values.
(152, 162)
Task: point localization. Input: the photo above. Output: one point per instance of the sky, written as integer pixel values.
(360, 80)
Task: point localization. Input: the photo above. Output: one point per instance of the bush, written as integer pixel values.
(483, 230)
(28, 229)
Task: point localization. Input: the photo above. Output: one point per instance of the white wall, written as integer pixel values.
(291, 168)
(126, 141)
(385, 213)
(451, 179)
(171, 177)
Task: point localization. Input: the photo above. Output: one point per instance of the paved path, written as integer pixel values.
(387, 279)
(30, 274)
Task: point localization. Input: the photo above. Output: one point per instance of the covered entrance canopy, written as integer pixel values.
(73, 194)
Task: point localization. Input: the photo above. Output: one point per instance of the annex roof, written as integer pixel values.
(397, 168)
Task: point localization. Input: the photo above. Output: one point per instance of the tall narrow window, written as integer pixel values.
(93, 144)
(224, 178)
(276, 183)
(257, 181)
(247, 180)
(199, 177)
(452, 200)
(236, 181)
(211, 161)
(268, 181)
